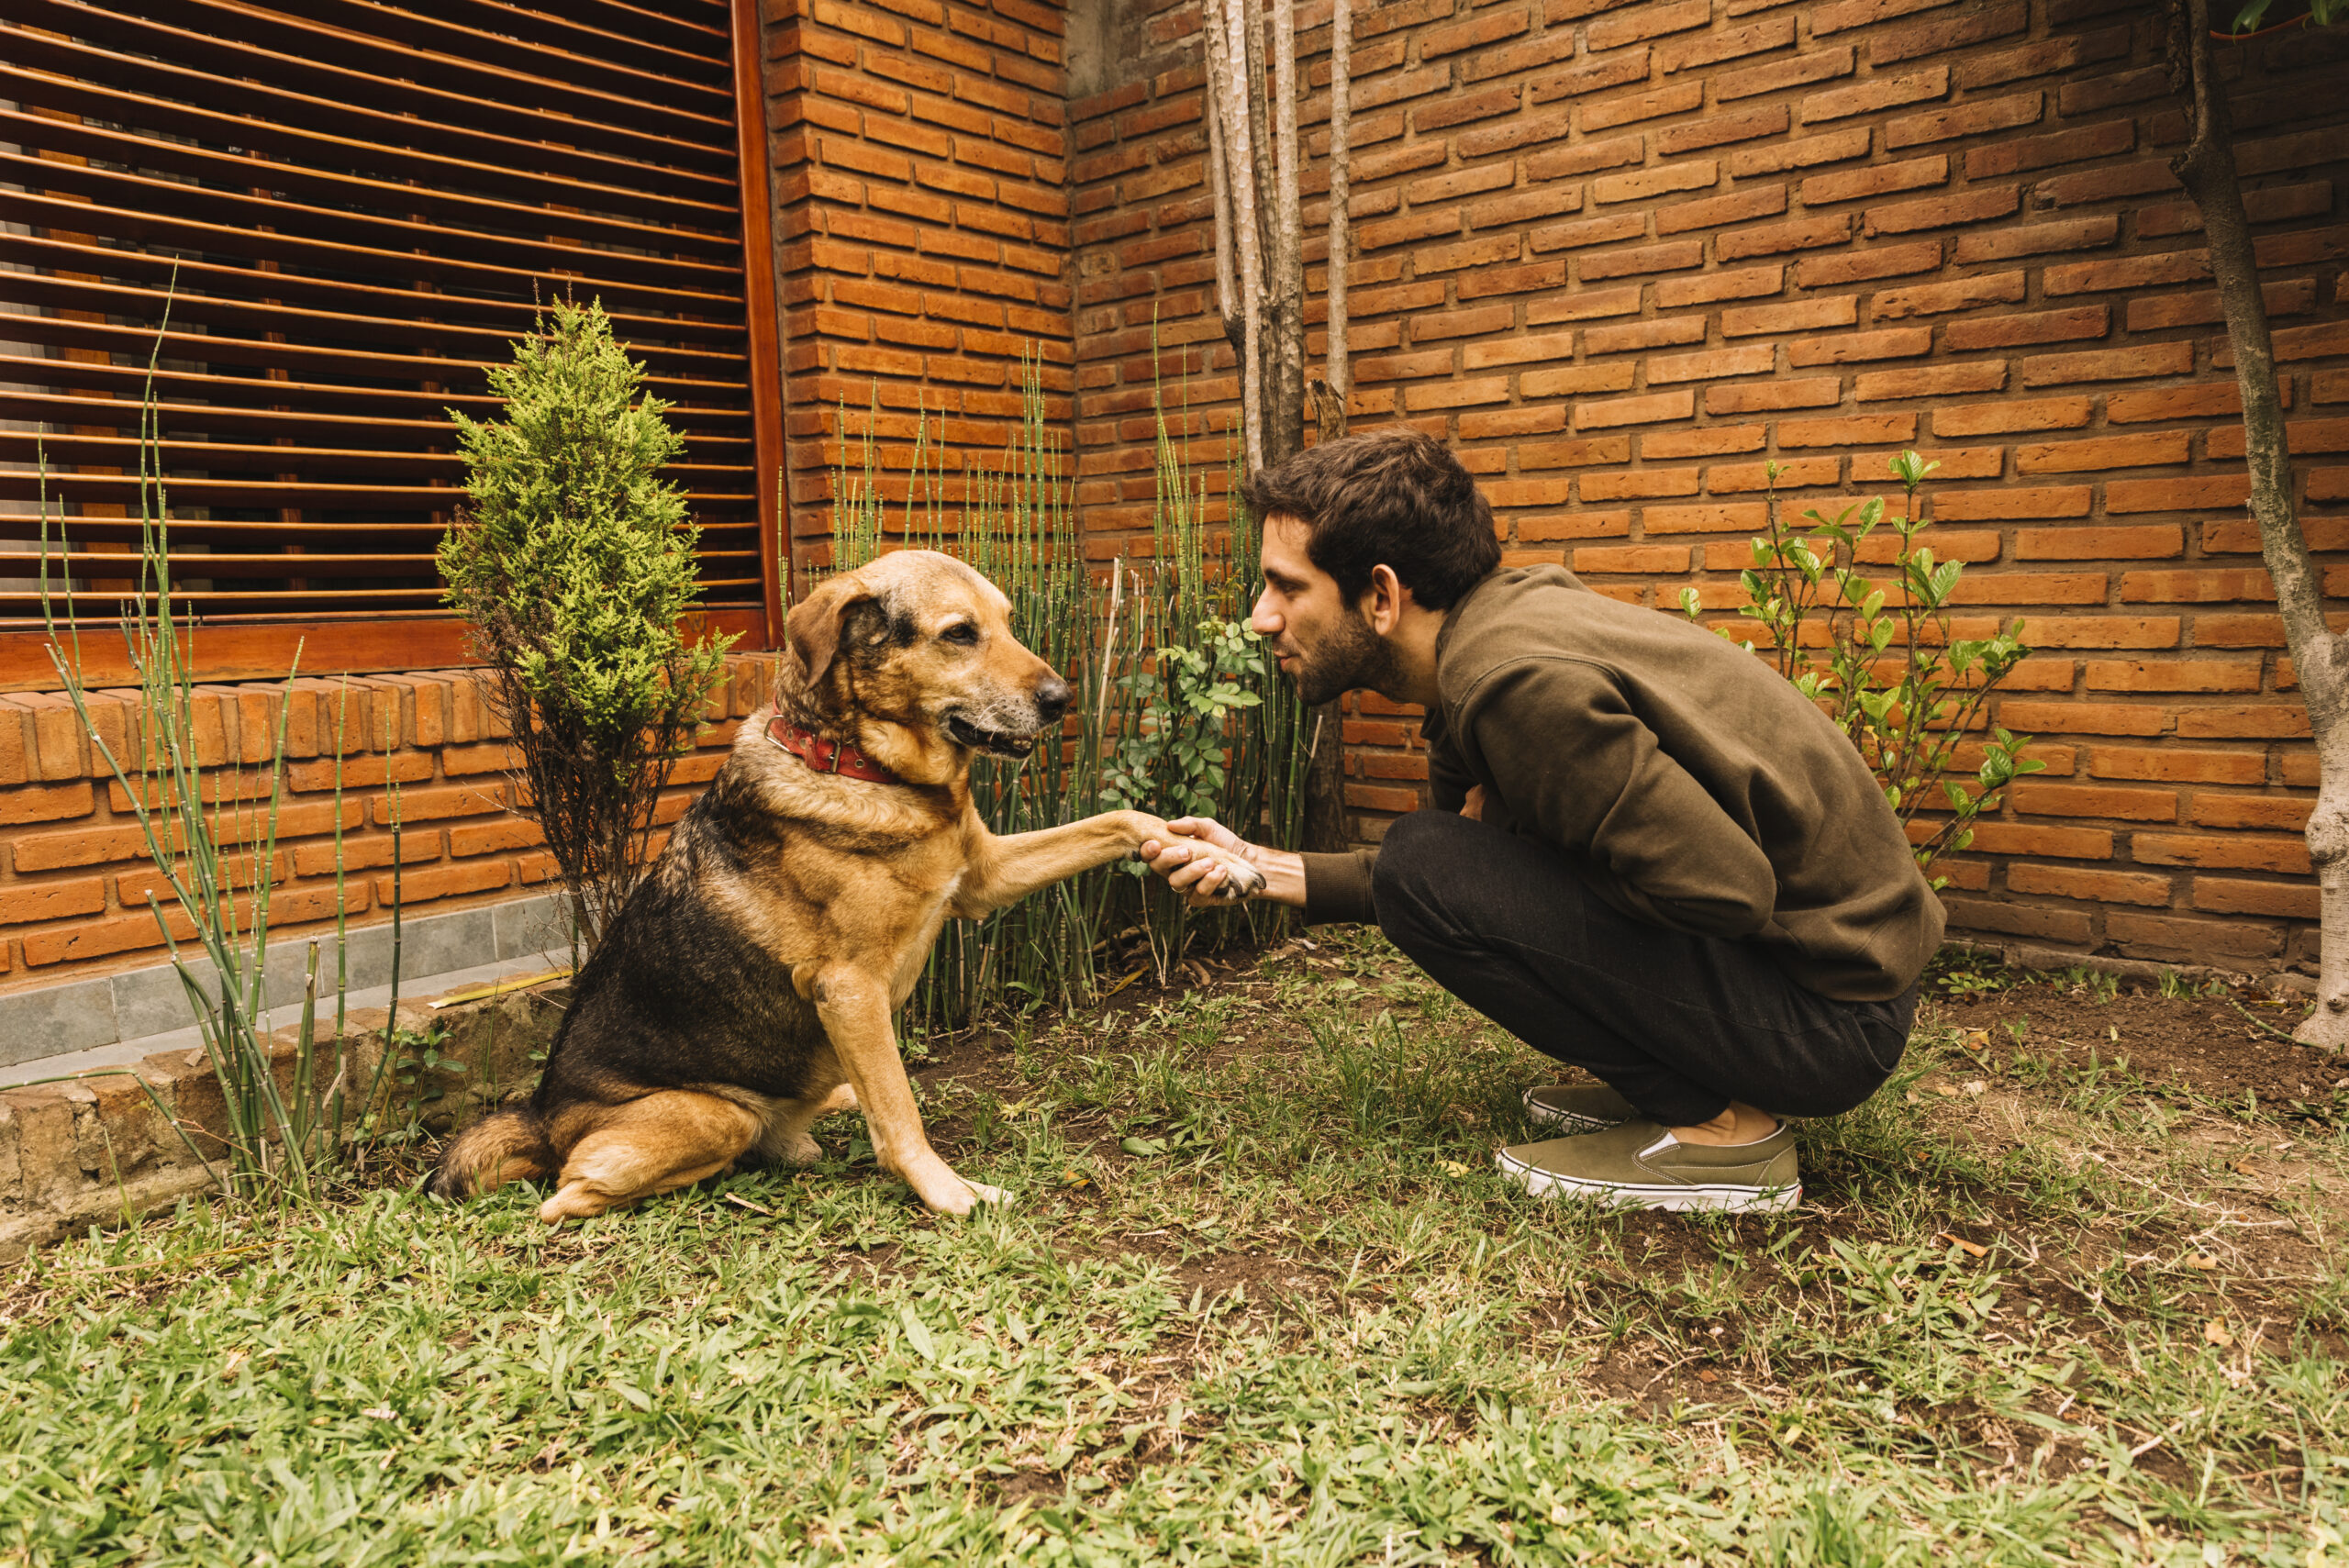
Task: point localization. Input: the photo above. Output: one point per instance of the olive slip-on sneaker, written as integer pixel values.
(1640, 1166)
(1577, 1108)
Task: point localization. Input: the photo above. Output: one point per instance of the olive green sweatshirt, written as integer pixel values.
(1689, 781)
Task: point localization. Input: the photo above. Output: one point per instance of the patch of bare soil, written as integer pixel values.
(2214, 1046)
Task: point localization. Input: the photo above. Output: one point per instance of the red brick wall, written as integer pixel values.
(75, 874)
(1623, 255)
(920, 227)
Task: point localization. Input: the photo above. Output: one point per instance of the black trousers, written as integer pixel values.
(1678, 1024)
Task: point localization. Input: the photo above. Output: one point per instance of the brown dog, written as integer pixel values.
(747, 988)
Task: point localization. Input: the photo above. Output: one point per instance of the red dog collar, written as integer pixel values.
(828, 756)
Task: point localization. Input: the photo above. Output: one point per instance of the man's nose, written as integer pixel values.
(1263, 619)
(1053, 697)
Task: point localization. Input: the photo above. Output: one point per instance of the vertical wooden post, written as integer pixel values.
(758, 302)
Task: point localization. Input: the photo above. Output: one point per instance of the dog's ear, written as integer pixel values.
(814, 627)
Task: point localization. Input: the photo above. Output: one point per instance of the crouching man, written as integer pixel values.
(1651, 857)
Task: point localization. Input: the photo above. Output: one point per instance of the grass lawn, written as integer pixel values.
(1260, 1300)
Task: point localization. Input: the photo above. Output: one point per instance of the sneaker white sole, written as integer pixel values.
(1718, 1198)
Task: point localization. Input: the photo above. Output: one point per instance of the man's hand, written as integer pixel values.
(1473, 807)
(1195, 876)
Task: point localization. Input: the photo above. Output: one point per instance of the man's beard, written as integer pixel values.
(1352, 656)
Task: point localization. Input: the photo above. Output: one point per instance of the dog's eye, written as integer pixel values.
(961, 633)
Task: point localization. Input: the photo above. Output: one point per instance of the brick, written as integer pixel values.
(1647, 259)
(1490, 27)
(1929, 380)
(2286, 857)
(2083, 719)
(1975, 117)
(1560, 162)
(2211, 810)
(2224, 490)
(1733, 43)
(1876, 93)
(2080, 881)
(1799, 315)
(1892, 344)
(2016, 155)
(2038, 240)
(1756, 358)
(2035, 839)
(1935, 300)
(1777, 240)
(1852, 184)
(447, 881)
(1975, 24)
(1648, 182)
(1840, 15)
(58, 900)
(44, 803)
(1803, 152)
(1457, 393)
(1794, 474)
(2202, 941)
(2129, 272)
(1479, 105)
(1821, 65)
(1637, 24)
(1571, 380)
(1864, 429)
(1750, 283)
(1742, 207)
(1673, 100)
(2172, 675)
(2153, 542)
(1990, 418)
(1818, 391)
(1972, 205)
(1635, 336)
(2266, 721)
(2066, 928)
(1710, 441)
(2108, 364)
(2231, 895)
(1575, 454)
(1581, 305)
(2143, 449)
(2089, 801)
(1512, 351)
(2016, 331)
(1644, 558)
(1589, 232)
(2105, 631)
(1740, 516)
(1634, 410)
(2170, 765)
(1720, 130)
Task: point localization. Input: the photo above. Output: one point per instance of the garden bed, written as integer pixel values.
(1259, 1290)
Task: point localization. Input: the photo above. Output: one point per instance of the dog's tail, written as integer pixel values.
(507, 1147)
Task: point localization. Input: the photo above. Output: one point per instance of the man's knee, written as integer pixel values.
(1419, 856)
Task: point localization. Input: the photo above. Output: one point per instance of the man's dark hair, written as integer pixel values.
(1391, 496)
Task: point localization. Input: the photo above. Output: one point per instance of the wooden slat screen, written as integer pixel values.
(349, 209)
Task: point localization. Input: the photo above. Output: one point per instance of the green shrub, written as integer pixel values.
(1885, 666)
(572, 562)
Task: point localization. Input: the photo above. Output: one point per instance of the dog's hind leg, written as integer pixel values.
(786, 1140)
(647, 1147)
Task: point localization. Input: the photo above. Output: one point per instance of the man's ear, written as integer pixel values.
(1383, 604)
(814, 627)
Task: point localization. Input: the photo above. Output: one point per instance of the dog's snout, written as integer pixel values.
(1053, 697)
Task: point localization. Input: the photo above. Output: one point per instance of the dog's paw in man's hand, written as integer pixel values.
(1207, 860)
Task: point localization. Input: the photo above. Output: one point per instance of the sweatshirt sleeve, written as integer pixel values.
(1337, 888)
(1577, 768)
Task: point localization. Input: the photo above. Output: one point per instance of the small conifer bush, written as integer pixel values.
(572, 561)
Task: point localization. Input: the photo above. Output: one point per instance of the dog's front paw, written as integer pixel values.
(1241, 878)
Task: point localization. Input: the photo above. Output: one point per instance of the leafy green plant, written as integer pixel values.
(1883, 665)
(211, 835)
(572, 562)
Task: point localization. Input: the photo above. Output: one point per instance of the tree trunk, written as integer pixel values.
(1285, 375)
(2319, 659)
(1229, 78)
(1337, 373)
